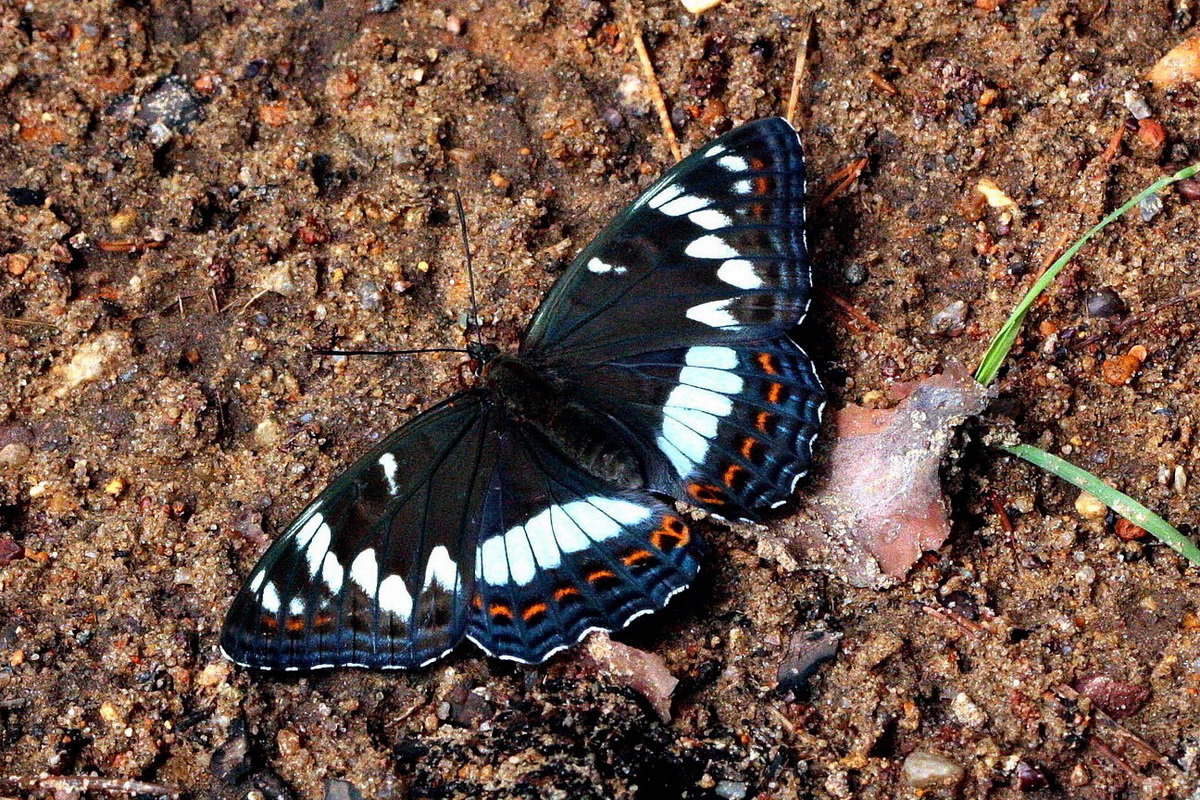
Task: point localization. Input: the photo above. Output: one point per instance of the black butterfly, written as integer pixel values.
(534, 509)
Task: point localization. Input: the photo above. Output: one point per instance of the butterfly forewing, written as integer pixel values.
(379, 569)
(564, 553)
(712, 252)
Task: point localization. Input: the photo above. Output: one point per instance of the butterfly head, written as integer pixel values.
(482, 352)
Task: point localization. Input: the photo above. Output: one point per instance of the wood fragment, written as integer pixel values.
(656, 95)
(882, 83)
(856, 315)
(798, 70)
(1114, 145)
(130, 245)
(973, 629)
(843, 179)
(78, 784)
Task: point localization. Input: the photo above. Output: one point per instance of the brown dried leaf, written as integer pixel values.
(1180, 65)
(880, 504)
(645, 673)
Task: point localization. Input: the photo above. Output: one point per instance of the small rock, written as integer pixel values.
(10, 551)
(855, 273)
(1128, 531)
(1120, 370)
(1150, 207)
(1030, 777)
(951, 320)
(966, 712)
(14, 454)
(1189, 189)
(472, 709)
(806, 652)
(732, 790)
(272, 786)
(1104, 303)
(369, 296)
(231, 761)
(1118, 699)
(171, 104)
(1136, 105)
(336, 789)
(961, 603)
(1088, 507)
(925, 770)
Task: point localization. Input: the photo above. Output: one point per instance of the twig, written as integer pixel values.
(78, 784)
(968, 626)
(656, 95)
(1114, 144)
(844, 177)
(1066, 692)
(857, 315)
(801, 65)
(28, 323)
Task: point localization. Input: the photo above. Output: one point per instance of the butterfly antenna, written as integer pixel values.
(462, 227)
(324, 352)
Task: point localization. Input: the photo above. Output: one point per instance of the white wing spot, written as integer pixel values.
(394, 597)
(695, 407)
(332, 573)
(710, 219)
(684, 204)
(257, 581)
(522, 550)
(600, 268)
(318, 547)
(734, 163)
(388, 462)
(715, 314)
(270, 599)
(296, 607)
(664, 195)
(441, 569)
(364, 571)
(714, 150)
(305, 532)
(710, 246)
(740, 273)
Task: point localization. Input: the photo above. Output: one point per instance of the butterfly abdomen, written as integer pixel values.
(588, 437)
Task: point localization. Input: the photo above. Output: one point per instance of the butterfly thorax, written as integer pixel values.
(535, 396)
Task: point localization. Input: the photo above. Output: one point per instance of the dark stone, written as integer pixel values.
(336, 789)
(807, 651)
(171, 102)
(24, 196)
(232, 761)
(1104, 303)
(1030, 777)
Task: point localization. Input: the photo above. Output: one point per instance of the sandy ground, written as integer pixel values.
(193, 195)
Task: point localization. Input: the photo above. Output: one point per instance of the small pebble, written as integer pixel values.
(10, 551)
(1030, 777)
(806, 652)
(1120, 370)
(966, 712)
(1088, 507)
(1150, 207)
(1136, 105)
(1118, 699)
(341, 790)
(1189, 189)
(732, 790)
(924, 770)
(1127, 531)
(369, 296)
(855, 273)
(1104, 303)
(14, 454)
(950, 321)
(231, 760)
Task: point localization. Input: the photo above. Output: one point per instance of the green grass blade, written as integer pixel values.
(1121, 503)
(1002, 343)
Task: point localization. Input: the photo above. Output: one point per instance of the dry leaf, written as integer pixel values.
(1180, 65)
(645, 673)
(880, 504)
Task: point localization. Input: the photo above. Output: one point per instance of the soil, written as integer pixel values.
(196, 195)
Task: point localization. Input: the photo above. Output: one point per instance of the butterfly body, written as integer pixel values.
(537, 507)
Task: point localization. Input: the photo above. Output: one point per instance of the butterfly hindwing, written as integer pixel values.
(564, 553)
(379, 569)
(725, 427)
(713, 252)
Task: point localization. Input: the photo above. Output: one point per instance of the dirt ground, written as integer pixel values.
(194, 195)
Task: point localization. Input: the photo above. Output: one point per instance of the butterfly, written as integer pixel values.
(536, 508)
